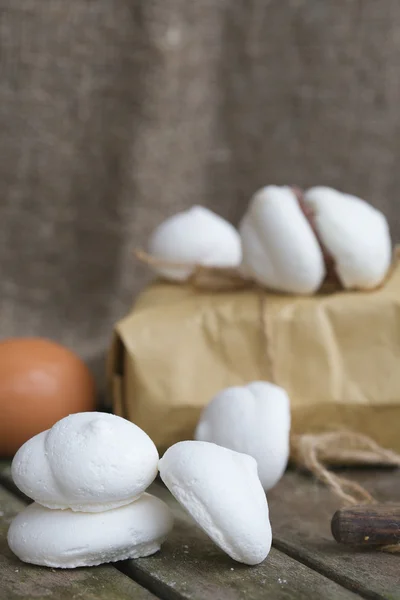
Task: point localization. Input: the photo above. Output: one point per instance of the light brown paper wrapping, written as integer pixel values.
(337, 355)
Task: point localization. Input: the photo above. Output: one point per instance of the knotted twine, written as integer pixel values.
(308, 451)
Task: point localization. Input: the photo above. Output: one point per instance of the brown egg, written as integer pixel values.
(40, 383)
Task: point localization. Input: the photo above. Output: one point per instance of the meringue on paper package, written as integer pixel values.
(337, 355)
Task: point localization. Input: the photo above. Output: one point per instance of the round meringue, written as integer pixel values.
(221, 490)
(65, 539)
(196, 236)
(280, 249)
(87, 462)
(253, 419)
(356, 235)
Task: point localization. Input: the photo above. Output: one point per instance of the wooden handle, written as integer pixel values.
(376, 525)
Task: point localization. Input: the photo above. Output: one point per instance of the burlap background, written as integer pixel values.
(115, 114)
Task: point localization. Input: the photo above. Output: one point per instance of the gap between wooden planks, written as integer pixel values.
(190, 566)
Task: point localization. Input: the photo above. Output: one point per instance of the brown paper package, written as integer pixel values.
(336, 354)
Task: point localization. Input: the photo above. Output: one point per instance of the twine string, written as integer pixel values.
(202, 277)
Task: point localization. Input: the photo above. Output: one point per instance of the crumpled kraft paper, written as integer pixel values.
(337, 355)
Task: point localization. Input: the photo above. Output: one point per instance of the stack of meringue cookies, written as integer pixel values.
(87, 476)
(89, 473)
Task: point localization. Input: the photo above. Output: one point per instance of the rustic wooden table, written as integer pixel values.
(305, 563)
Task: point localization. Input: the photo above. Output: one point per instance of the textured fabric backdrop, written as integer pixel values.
(114, 115)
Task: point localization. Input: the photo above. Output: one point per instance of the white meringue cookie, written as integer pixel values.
(253, 419)
(66, 539)
(198, 237)
(87, 462)
(355, 234)
(222, 492)
(280, 249)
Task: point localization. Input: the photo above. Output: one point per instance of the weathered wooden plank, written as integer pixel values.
(301, 512)
(191, 566)
(22, 581)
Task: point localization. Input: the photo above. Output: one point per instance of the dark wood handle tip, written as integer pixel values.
(377, 525)
(336, 527)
